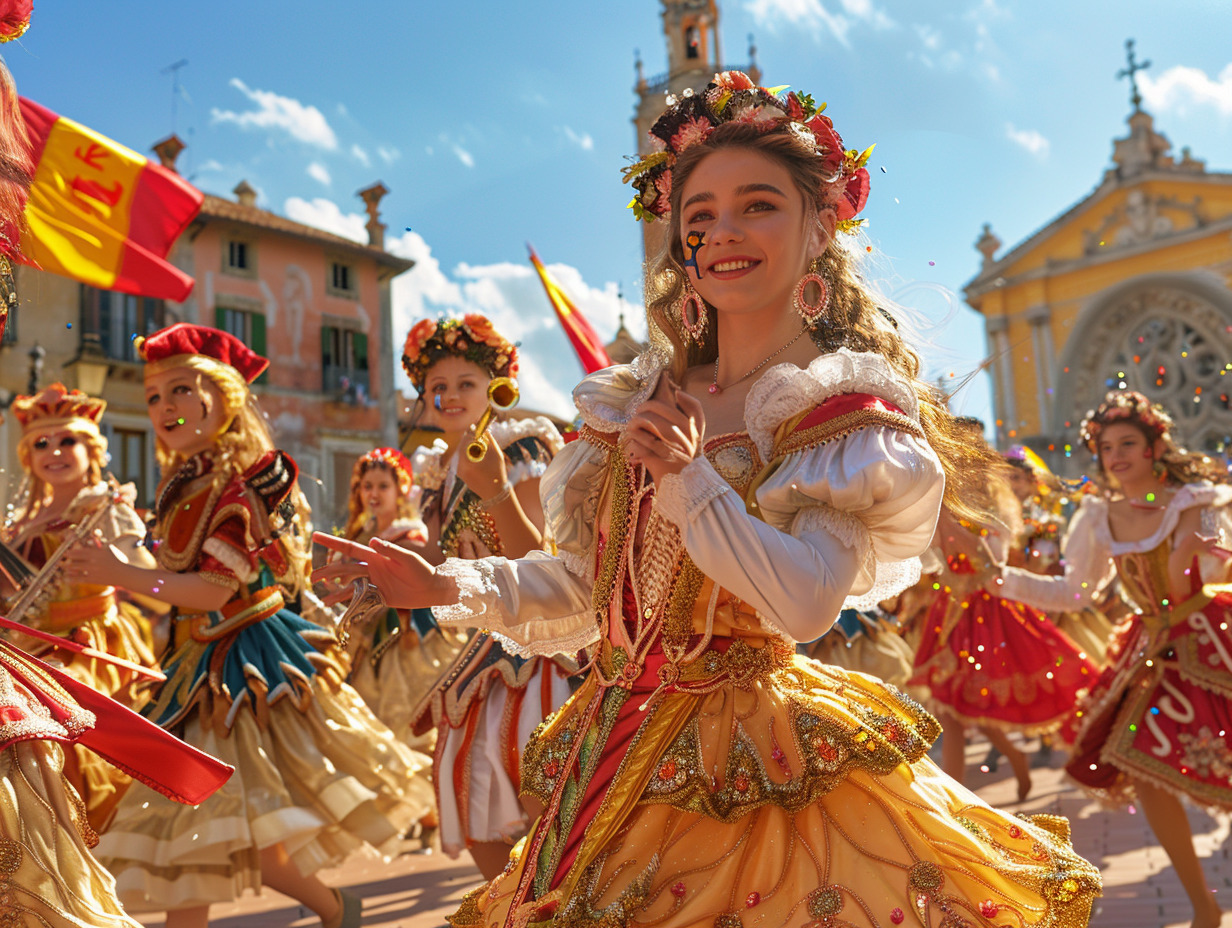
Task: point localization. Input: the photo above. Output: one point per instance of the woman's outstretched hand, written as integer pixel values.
(667, 431)
(404, 579)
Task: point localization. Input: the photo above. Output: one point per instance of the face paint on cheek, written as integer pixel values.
(694, 242)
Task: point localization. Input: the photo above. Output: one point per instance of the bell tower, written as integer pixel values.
(691, 29)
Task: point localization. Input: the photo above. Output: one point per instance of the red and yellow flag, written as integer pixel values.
(101, 213)
(586, 341)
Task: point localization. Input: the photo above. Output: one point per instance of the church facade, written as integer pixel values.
(1129, 288)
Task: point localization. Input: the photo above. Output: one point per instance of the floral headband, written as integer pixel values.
(733, 97)
(472, 337)
(397, 463)
(1120, 406)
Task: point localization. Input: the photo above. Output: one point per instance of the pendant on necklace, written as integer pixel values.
(714, 388)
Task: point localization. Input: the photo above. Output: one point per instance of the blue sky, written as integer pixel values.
(496, 124)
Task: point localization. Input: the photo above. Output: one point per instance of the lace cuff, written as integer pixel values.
(533, 605)
(890, 578)
(478, 593)
(680, 497)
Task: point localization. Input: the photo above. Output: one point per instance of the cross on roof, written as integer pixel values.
(1132, 73)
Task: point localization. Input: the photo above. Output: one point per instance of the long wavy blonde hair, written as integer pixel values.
(855, 319)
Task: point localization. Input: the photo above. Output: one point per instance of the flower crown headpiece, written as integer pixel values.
(732, 97)
(1122, 405)
(397, 462)
(472, 337)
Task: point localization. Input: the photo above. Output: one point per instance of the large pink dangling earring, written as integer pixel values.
(811, 313)
(692, 311)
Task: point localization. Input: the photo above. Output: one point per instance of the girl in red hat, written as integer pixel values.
(249, 680)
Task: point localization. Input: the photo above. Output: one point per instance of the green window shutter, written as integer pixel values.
(327, 357)
(258, 341)
(220, 318)
(360, 341)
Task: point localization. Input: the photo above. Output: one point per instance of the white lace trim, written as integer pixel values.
(579, 565)
(890, 579)
(680, 497)
(478, 593)
(428, 464)
(1205, 495)
(507, 431)
(785, 390)
(231, 558)
(569, 644)
(525, 470)
(608, 398)
(844, 526)
(479, 607)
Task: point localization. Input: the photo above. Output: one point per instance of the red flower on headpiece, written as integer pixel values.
(186, 338)
(855, 196)
(828, 141)
(423, 330)
(734, 80)
(693, 131)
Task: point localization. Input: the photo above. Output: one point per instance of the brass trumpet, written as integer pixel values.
(502, 396)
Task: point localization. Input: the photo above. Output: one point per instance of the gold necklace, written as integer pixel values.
(714, 387)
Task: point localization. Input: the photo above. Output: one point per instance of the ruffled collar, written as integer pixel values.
(608, 398)
(1202, 495)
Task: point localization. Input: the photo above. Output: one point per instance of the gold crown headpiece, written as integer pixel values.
(59, 407)
(732, 97)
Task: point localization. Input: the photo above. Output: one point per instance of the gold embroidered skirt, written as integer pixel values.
(48, 876)
(323, 779)
(798, 795)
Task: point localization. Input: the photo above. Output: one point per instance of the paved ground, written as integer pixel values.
(1140, 888)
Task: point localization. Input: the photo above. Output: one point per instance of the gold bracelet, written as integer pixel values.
(493, 501)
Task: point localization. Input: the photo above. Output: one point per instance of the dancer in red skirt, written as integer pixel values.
(1154, 726)
(989, 661)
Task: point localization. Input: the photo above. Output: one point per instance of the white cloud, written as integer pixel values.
(388, 153)
(582, 141)
(509, 293)
(358, 153)
(305, 123)
(211, 165)
(321, 213)
(318, 172)
(838, 22)
(1181, 87)
(1029, 139)
(464, 156)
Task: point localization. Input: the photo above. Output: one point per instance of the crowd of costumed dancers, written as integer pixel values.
(682, 666)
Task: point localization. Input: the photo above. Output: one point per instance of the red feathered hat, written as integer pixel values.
(165, 348)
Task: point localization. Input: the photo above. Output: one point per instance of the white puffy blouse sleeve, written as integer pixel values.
(539, 604)
(1087, 556)
(837, 520)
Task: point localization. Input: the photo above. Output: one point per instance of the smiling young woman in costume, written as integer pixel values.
(64, 454)
(773, 456)
(485, 706)
(1154, 727)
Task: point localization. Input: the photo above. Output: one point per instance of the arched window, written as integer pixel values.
(692, 43)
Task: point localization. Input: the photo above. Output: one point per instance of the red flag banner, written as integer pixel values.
(585, 340)
(100, 213)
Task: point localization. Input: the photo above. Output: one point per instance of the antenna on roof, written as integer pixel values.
(177, 89)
